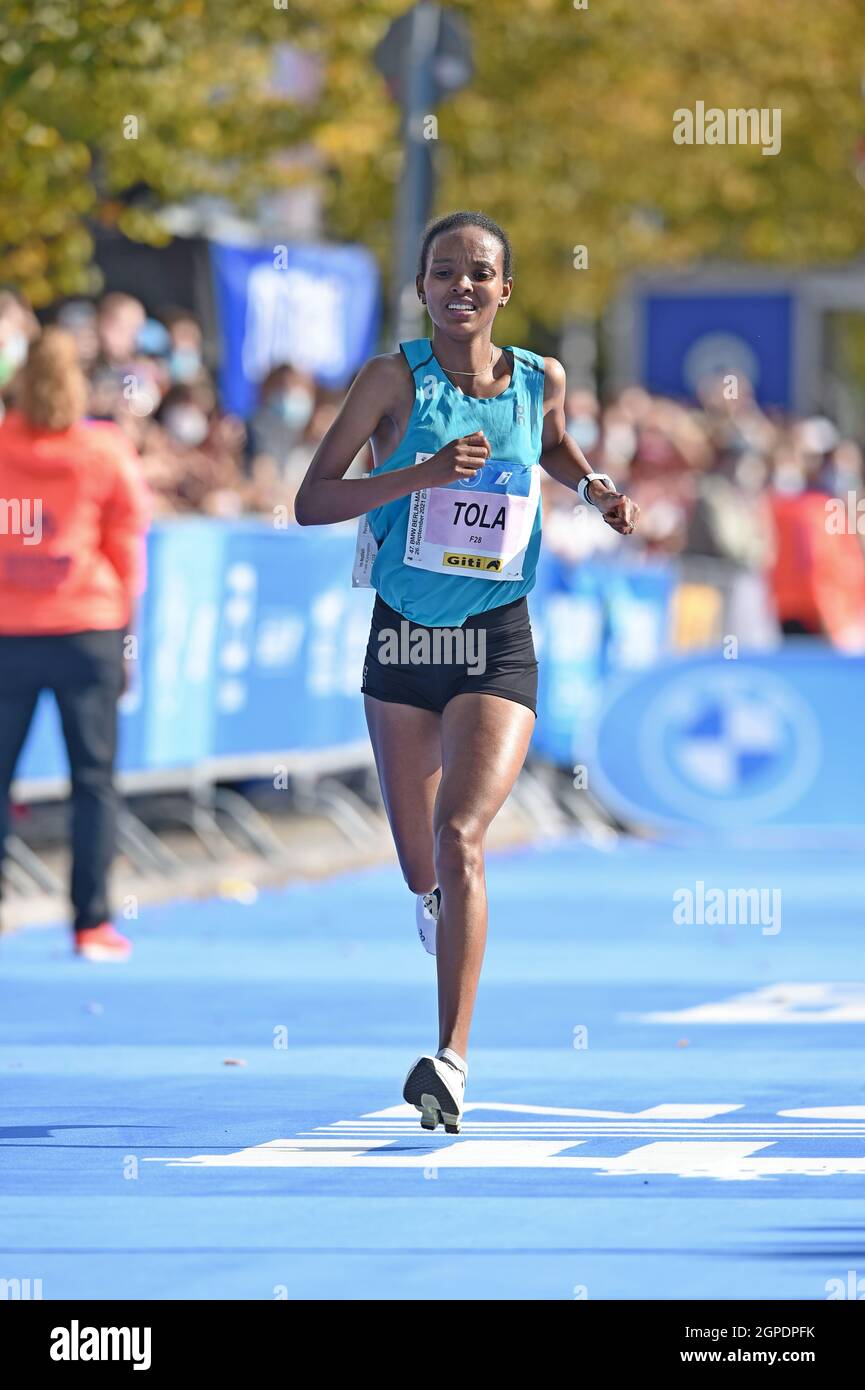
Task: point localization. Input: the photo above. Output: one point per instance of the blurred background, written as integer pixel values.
(221, 200)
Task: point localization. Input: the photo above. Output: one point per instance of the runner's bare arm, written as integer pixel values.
(565, 461)
(325, 495)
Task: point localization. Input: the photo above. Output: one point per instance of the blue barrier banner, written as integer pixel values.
(691, 335)
(727, 746)
(567, 613)
(316, 307)
(251, 640)
(590, 620)
(639, 607)
(290, 644)
(178, 642)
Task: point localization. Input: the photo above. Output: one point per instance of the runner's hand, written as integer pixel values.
(619, 511)
(460, 459)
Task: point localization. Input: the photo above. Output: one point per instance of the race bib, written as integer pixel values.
(478, 526)
(365, 552)
(366, 547)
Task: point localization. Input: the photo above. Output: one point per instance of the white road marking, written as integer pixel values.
(784, 1003)
(654, 1112)
(683, 1140)
(689, 1159)
(827, 1112)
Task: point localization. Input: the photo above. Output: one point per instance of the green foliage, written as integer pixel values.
(565, 134)
(76, 77)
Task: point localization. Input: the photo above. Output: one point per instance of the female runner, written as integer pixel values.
(458, 427)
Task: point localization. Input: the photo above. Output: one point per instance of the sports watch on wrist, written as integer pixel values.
(583, 486)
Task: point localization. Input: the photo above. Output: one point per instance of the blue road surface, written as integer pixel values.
(656, 1108)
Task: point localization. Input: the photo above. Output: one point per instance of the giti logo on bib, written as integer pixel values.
(484, 535)
(472, 562)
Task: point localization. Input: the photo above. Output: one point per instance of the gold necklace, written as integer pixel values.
(451, 372)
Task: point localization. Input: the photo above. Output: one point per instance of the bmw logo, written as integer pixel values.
(728, 743)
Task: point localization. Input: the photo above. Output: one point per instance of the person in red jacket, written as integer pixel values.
(818, 579)
(73, 516)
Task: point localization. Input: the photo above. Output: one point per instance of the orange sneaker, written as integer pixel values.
(102, 943)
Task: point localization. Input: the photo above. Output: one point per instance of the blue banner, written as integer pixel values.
(290, 642)
(567, 612)
(250, 641)
(590, 620)
(730, 746)
(315, 307)
(690, 335)
(178, 643)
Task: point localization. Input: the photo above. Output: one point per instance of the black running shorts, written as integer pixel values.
(493, 653)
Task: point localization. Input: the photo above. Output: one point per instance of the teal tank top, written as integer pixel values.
(446, 553)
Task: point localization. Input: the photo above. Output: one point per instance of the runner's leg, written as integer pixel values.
(406, 742)
(484, 742)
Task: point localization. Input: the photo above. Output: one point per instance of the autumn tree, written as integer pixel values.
(565, 134)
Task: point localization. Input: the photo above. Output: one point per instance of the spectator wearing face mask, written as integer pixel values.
(184, 349)
(208, 449)
(285, 409)
(185, 414)
(300, 457)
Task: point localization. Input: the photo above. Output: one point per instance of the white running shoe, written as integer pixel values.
(436, 1087)
(426, 916)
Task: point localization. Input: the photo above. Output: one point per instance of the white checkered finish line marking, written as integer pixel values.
(701, 1147)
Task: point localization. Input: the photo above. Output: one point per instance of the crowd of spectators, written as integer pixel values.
(746, 501)
(737, 494)
(149, 376)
